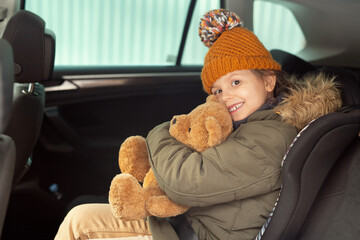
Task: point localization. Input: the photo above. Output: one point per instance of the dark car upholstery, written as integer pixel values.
(317, 179)
(34, 51)
(7, 146)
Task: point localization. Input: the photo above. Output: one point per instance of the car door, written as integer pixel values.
(121, 68)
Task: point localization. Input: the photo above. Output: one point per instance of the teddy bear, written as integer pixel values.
(204, 127)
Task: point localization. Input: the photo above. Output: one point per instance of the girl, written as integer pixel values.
(232, 187)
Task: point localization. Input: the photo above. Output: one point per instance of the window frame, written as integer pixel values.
(61, 72)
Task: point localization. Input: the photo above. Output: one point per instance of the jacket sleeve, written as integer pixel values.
(238, 168)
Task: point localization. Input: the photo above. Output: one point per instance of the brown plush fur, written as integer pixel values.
(210, 124)
(311, 98)
(138, 166)
(206, 126)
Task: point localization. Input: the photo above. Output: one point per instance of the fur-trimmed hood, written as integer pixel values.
(309, 98)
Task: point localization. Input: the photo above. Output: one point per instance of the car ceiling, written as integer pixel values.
(331, 28)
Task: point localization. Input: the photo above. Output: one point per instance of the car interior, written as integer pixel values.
(7, 146)
(34, 52)
(311, 168)
(62, 126)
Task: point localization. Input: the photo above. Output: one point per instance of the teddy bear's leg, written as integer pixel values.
(127, 198)
(162, 206)
(133, 157)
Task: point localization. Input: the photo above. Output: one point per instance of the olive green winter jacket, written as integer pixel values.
(232, 187)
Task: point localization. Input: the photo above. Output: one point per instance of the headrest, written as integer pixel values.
(291, 63)
(33, 47)
(6, 82)
(349, 84)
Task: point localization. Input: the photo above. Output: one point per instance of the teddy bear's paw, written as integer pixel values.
(127, 198)
(162, 206)
(133, 157)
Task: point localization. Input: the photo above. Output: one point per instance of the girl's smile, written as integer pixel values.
(235, 107)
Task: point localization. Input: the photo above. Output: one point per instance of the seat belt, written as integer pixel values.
(183, 228)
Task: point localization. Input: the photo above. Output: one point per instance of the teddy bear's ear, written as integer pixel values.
(214, 131)
(212, 98)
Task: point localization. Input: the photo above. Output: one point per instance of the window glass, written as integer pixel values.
(195, 50)
(121, 32)
(277, 28)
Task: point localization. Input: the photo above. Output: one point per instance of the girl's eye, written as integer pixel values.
(217, 92)
(236, 82)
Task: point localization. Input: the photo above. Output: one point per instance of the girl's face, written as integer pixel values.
(243, 92)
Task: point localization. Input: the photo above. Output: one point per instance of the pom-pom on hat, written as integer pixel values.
(232, 47)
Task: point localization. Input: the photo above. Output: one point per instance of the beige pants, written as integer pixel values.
(96, 221)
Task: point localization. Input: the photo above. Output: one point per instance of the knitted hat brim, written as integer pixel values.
(221, 66)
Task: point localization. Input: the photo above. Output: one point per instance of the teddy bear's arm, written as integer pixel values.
(133, 157)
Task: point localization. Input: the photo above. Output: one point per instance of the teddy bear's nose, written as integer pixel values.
(174, 121)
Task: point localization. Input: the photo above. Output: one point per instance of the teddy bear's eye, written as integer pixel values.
(189, 129)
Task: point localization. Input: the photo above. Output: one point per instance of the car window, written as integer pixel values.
(195, 50)
(122, 32)
(277, 28)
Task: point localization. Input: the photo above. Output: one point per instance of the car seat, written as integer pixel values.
(313, 161)
(292, 64)
(335, 212)
(34, 52)
(7, 146)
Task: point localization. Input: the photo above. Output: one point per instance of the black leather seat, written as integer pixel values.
(335, 213)
(306, 168)
(316, 168)
(291, 63)
(34, 52)
(7, 146)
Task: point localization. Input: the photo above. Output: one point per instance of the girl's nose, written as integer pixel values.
(225, 96)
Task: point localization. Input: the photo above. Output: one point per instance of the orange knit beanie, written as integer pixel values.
(232, 47)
